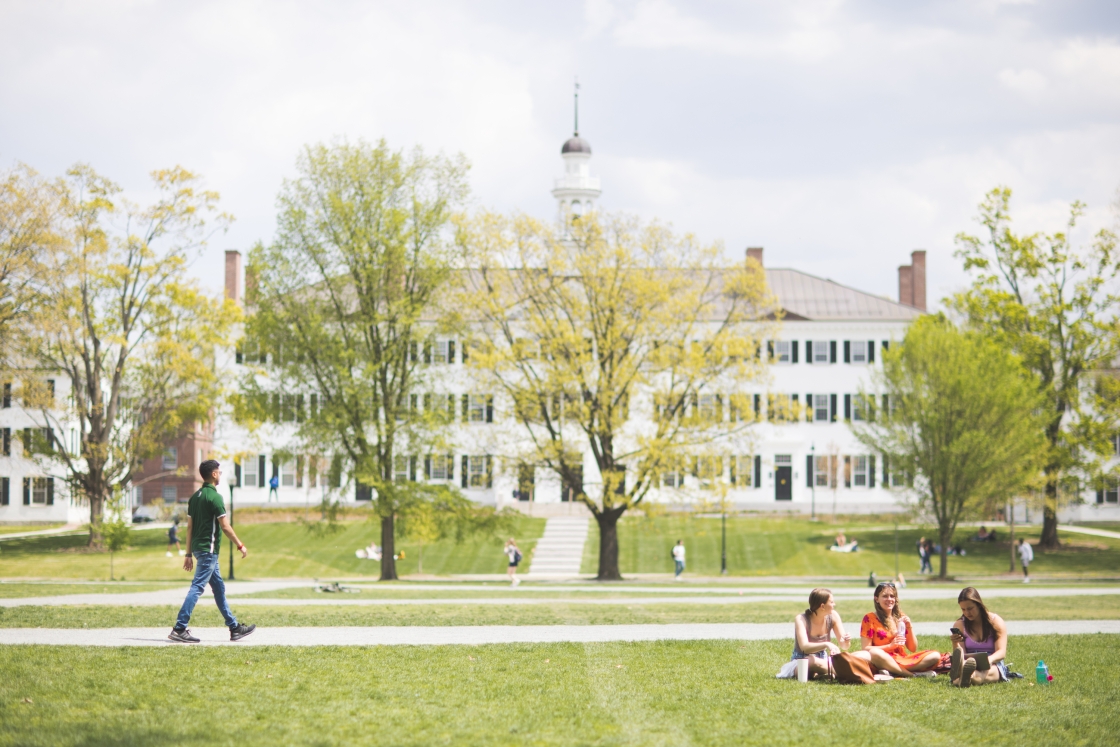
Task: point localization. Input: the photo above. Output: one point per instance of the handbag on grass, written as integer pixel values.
(850, 669)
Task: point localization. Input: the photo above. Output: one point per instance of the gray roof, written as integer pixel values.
(805, 296)
(576, 144)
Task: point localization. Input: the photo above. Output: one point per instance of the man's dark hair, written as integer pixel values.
(206, 469)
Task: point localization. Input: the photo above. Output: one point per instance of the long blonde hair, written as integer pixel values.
(890, 622)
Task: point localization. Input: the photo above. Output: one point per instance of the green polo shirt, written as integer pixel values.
(205, 508)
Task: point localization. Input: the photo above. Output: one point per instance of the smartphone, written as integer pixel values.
(956, 631)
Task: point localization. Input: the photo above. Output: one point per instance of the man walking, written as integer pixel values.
(1026, 555)
(274, 488)
(678, 559)
(206, 515)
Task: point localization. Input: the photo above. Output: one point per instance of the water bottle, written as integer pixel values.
(1042, 673)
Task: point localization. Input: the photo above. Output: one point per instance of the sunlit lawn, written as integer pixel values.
(277, 550)
(17, 528)
(659, 693)
(798, 547)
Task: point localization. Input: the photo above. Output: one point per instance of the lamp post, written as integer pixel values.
(723, 541)
(231, 524)
(813, 481)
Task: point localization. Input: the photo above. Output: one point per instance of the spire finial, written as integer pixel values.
(576, 132)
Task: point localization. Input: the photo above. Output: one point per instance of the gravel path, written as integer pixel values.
(485, 634)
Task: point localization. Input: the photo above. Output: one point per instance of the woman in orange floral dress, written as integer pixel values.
(890, 631)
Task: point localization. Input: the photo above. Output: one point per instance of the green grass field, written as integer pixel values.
(277, 550)
(797, 547)
(558, 612)
(664, 693)
(9, 590)
(17, 528)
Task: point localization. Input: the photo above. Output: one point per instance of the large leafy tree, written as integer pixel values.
(343, 301)
(133, 334)
(1055, 305)
(959, 422)
(620, 340)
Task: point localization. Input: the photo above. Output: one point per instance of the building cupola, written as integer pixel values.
(577, 191)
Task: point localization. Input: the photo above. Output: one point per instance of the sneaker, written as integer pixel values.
(516, 581)
(966, 672)
(955, 667)
(169, 553)
(1027, 580)
(927, 673)
(182, 636)
(237, 632)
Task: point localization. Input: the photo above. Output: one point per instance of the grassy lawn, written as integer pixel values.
(17, 528)
(560, 612)
(797, 547)
(278, 550)
(661, 693)
(10, 590)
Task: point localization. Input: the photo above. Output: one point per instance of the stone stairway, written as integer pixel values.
(560, 551)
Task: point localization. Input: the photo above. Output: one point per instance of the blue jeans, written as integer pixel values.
(205, 570)
(679, 567)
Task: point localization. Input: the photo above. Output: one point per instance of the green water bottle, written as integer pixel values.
(1042, 673)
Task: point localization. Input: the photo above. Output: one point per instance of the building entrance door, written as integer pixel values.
(783, 478)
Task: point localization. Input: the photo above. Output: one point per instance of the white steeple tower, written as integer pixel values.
(576, 191)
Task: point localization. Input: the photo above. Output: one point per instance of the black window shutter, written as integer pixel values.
(770, 349)
(466, 408)
(809, 352)
(260, 471)
(793, 351)
(26, 441)
(886, 409)
(50, 491)
(428, 351)
(810, 411)
(809, 471)
(832, 351)
(428, 402)
(428, 467)
(7, 442)
(847, 407)
(239, 356)
(450, 467)
(27, 491)
(1100, 495)
(733, 462)
(870, 351)
(412, 468)
(450, 351)
(832, 408)
(758, 407)
(466, 468)
(237, 474)
(886, 473)
(886, 345)
(7, 394)
(490, 408)
(871, 471)
(847, 472)
(847, 351)
(489, 472)
(463, 347)
(6, 485)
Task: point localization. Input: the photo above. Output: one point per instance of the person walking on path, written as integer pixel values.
(173, 538)
(678, 559)
(206, 515)
(1026, 555)
(274, 488)
(923, 555)
(514, 555)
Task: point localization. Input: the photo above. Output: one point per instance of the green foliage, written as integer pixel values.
(960, 422)
(328, 522)
(116, 530)
(344, 298)
(1055, 305)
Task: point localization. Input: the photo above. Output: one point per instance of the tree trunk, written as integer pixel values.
(946, 535)
(1049, 539)
(388, 563)
(96, 514)
(608, 544)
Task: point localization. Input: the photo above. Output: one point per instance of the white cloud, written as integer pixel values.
(1029, 82)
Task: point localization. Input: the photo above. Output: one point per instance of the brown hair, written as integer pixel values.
(896, 614)
(969, 594)
(817, 598)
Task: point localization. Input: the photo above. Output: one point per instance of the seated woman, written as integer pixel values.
(812, 633)
(840, 540)
(890, 632)
(983, 632)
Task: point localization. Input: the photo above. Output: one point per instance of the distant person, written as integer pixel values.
(924, 551)
(206, 513)
(173, 538)
(1026, 555)
(840, 540)
(274, 488)
(514, 555)
(982, 632)
(678, 559)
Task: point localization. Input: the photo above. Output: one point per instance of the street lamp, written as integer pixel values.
(723, 541)
(813, 481)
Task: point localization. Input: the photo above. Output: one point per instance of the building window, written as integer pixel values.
(859, 471)
(671, 479)
(782, 351)
(443, 351)
(249, 473)
(441, 467)
(400, 469)
(477, 473)
(709, 408)
(708, 471)
(1110, 494)
(1116, 444)
(38, 491)
(780, 407)
(859, 351)
(819, 351)
(170, 458)
(742, 471)
(820, 407)
(170, 494)
(858, 408)
(480, 408)
(821, 472)
(288, 474)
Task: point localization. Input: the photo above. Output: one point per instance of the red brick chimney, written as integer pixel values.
(755, 252)
(233, 275)
(912, 281)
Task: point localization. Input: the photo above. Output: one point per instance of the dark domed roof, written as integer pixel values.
(576, 144)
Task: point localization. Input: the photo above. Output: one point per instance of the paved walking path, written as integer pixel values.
(1089, 530)
(559, 551)
(619, 595)
(486, 634)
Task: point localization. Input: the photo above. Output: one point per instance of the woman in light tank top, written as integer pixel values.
(982, 632)
(813, 630)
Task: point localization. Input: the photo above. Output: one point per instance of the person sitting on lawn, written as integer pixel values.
(813, 630)
(840, 540)
(982, 632)
(890, 631)
(852, 546)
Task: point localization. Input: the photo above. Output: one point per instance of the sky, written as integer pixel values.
(839, 136)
